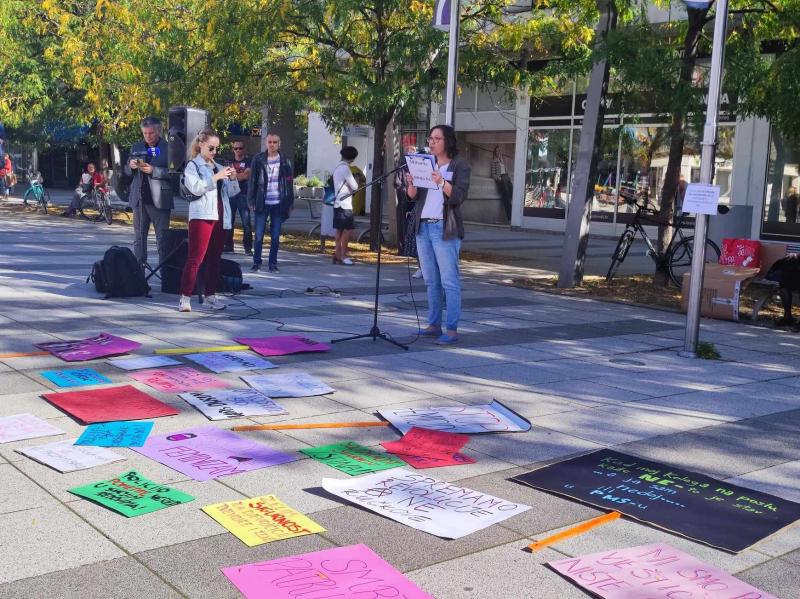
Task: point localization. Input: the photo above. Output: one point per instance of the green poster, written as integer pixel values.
(131, 494)
(352, 458)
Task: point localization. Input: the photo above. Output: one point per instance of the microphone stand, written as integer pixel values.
(375, 332)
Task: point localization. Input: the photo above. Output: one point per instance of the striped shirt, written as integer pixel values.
(273, 192)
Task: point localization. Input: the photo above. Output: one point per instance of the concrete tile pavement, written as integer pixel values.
(587, 374)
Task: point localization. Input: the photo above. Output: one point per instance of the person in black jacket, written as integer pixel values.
(270, 194)
(151, 190)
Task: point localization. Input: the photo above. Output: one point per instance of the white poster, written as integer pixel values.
(489, 418)
(230, 361)
(66, 457)
(25, 426)
(292, 384)
(234, 403)
(141, 362)
(421, 166)
(701, 198)
(425, 503)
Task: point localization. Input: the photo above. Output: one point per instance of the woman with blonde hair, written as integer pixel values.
(211, 186)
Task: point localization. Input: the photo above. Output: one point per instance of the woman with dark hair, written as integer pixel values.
(439, 229)
(344, 184)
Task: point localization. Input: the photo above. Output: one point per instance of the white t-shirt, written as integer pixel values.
(344, 183)
(273, 194)
(434, 201)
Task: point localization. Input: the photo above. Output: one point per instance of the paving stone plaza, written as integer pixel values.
(588, 375)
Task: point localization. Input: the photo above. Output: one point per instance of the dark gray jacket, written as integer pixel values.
(161, 181)
(453, 227)
(259, 179)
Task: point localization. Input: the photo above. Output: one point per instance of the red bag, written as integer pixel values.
(741, 252)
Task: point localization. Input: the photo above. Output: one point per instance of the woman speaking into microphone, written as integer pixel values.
(439, 229)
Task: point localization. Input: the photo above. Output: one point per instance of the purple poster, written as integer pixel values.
(98, 346)
(207, 452)
(282, 345)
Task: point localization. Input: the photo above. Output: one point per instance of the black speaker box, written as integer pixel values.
(184, 124)
(172, 269)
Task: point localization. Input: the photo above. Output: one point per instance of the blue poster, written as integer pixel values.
(75, 378)
(116, 434)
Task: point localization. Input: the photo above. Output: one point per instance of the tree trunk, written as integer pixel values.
(378, 162)
(696, 19)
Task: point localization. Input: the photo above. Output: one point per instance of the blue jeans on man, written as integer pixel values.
(239, 204)
(439, 261)
(273, 213)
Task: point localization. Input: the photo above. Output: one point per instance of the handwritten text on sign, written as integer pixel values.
(230, 361)
(656, 570)
(490, 418)
(233, 403)
(179, 379)
(131, 494)
(425, 503)
(352, 458)
(88, 349)
(689, 503)
(25, 426)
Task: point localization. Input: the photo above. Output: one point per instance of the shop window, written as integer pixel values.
(547, 172)
(780, 218)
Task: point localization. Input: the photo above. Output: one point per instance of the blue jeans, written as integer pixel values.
(239, 204)
(439, 261)
(273, 212)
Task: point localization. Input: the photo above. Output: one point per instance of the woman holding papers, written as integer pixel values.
(439, 229)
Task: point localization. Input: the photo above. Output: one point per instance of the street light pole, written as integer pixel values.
(452, 64)
(706, 174)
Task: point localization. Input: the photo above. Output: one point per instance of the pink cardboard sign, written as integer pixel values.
(98, 346)
(426, 461)
(179, 379)
(655, 570)
(207, 452)
(282, 345)
(425, 448)
(110, 404)
(346, 572)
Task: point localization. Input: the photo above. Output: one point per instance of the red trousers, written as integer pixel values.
(206, 240)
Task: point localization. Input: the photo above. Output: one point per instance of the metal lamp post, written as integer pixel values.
(706, 173)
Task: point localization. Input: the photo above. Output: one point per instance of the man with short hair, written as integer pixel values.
(270, 193)
(241, 163)
(151, 190)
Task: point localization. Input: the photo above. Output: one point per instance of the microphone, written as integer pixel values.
(427, 150)
(154, 151)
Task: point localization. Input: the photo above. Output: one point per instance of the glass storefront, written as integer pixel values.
(779, 219)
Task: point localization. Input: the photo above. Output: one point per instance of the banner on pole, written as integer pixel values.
(441, 15)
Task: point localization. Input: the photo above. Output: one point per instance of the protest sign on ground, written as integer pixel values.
(352, 458)
(141, 362)
(344, 572)
(75, 378)
(282, 345)
(174, 380)
(230, 361)
(291, 384)
(424, 448)
(688, 503)
(208, 452)
(233, 403)
(90, 348)
(262, 520)
(655, 570)
(25, 426)
(425, 503)
(107, 405)
(65, 456)
(115, 434)
(490, 418)
(131, 494)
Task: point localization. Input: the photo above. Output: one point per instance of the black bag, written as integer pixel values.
(231, 280)
(118, 274)
(184, 192)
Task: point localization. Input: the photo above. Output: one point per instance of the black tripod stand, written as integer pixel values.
(162, 263)
(375, 332)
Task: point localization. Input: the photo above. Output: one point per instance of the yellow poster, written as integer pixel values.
(262, 520)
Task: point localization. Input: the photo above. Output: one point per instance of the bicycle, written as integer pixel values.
(678, 256)
(36, 195)
(96, 205)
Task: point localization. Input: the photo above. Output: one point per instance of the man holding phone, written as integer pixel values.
(241, 164)
(151, 190)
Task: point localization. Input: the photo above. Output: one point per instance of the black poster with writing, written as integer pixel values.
(684, 502)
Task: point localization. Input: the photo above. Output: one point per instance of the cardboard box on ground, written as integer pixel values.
(722, 287)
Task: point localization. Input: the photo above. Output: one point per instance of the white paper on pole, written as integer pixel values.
(701, 198)
(421, 166)
(488, 418)
(221, 404)
(425, 503)
(230, 361)
(25, 426)
(141, 362)
(64, 456)
(292, 384)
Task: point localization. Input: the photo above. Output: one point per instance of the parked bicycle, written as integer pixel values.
(677, 258)
(36, 195)
(96, 205)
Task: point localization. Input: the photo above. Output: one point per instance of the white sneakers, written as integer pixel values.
(215, 302)
(185, 304)
(418, 274)
(347, 261)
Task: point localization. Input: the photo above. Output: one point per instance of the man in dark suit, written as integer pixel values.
(151, 190)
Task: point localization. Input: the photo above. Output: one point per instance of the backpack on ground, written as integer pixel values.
(231, 280)
(119, 274)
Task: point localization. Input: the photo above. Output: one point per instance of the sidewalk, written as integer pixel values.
(587, 374)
